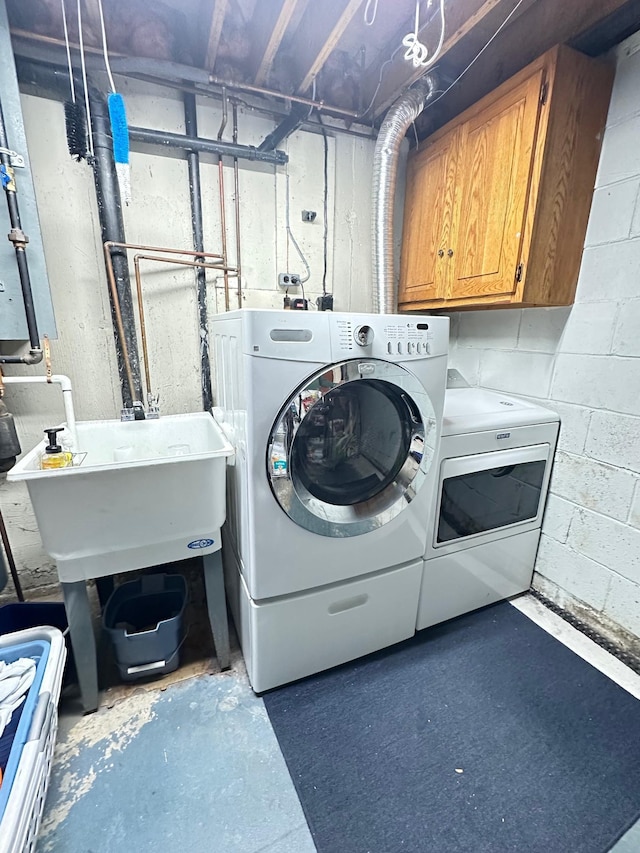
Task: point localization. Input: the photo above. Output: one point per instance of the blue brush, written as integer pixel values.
(120, 136)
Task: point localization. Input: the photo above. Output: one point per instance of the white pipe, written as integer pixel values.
(65, 385)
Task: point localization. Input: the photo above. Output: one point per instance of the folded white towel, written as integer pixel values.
(15, 680)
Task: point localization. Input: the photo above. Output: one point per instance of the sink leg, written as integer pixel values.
(217, 606)
(83, 642)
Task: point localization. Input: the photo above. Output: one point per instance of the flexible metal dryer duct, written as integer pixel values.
(385, 174)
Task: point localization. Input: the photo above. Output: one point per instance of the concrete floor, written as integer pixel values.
(197, 767)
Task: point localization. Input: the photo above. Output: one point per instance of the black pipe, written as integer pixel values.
(195, 197)
(112, 228)
(211, 146)
(287, 126)
(10, 560)
(19, 240)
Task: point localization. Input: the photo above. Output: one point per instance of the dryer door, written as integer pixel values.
(351, 447)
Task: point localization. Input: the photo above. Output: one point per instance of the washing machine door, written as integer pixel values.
(351, 447)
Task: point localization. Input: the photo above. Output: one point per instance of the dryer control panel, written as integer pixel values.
(390, 337)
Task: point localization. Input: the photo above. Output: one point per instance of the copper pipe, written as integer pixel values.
(118, 315)
(163, 260)
(143, 328)
(223, 212)
(108, 246)
(164, 249)
(236, 201)
(205, 264)
(272, 93)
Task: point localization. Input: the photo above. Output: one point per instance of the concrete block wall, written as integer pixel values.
(160, 215)
(584, 362)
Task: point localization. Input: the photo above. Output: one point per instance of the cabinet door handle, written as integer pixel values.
(450, 252)
(441, 253)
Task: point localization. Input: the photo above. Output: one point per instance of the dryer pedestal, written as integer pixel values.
(475, 577)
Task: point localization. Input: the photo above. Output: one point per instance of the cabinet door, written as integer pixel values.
(428, 218)
(496, 155)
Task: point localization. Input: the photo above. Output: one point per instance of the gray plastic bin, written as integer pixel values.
(144, 620)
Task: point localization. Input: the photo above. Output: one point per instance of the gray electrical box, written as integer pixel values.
(13, 324)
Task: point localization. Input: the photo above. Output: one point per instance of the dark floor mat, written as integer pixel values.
(482, 734)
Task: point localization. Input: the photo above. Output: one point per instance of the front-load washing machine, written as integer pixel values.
(335, 419)
(494, 466)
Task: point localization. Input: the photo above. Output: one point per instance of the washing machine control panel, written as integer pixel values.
(393, 338)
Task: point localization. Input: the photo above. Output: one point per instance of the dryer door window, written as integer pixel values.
(351, 447)
(490, 491)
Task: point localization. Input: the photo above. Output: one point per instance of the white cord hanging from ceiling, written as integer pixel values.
(370, 12)
(418, 53)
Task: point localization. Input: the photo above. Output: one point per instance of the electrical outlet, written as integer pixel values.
(288, 279)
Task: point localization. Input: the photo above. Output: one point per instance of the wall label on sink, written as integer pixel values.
(201, 543)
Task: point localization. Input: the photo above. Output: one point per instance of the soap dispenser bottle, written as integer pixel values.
(54, 455)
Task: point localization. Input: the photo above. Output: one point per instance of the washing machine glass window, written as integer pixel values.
(490, 491)
(351, 447)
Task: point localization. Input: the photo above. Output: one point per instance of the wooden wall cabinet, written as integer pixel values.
(497, 201)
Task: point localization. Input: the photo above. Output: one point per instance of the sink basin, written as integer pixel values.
(146, 492)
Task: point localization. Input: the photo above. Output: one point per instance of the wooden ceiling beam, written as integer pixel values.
(321, 29)
(218, 15)
(462, 18)
(270, 23)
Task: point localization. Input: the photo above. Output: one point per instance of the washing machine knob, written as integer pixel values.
(363, 335)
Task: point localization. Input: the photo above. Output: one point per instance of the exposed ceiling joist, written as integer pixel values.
(545, 24)
(270, 23)
(215, 31)
(312, 33)
(296, 39)
(462, 17)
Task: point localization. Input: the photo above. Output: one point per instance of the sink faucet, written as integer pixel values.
(153, 406)
(137, 412)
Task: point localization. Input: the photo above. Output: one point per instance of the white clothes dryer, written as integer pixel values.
(336, 421)
(494, 466)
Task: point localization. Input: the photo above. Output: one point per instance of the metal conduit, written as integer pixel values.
(223, 208)
(236, 199)
(385, 176)
(19, 240)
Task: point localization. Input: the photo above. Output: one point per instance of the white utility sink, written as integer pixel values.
(146, 492)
